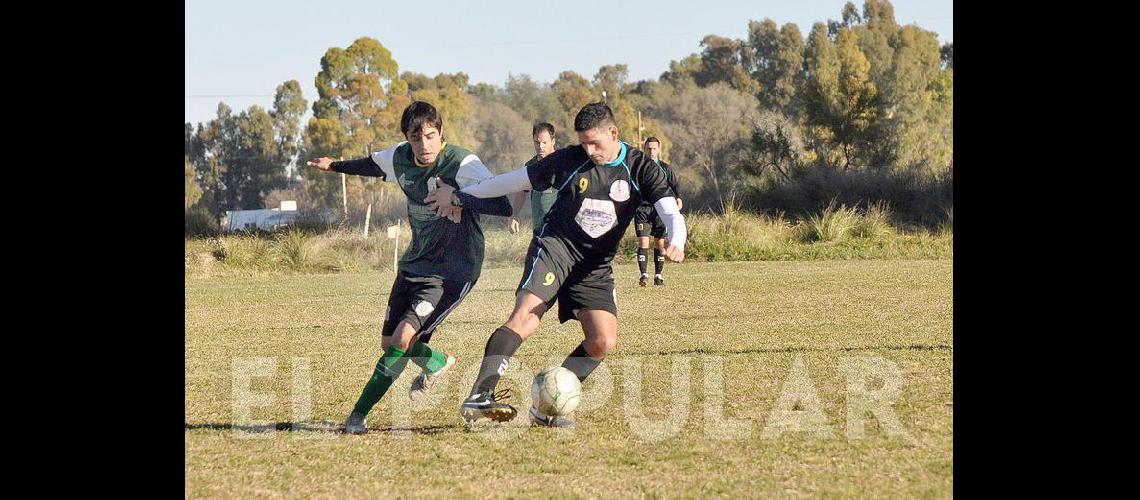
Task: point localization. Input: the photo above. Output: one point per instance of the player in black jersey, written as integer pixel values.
(647, 223)
(600, 184)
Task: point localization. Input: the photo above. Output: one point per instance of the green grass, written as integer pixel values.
(753, 319)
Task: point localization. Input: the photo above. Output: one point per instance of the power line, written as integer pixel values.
(545, 42)
(211, 96)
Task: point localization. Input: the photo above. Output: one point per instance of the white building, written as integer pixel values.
(266, 219)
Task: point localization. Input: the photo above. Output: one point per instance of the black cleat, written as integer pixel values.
(537, 419)
(658, 280)
(354, 424)
(487, 405)
(644, 280)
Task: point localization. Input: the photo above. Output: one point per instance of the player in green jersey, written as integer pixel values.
(444, 259)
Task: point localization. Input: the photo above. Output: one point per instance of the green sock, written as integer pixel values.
(426, 358)
(388, 369)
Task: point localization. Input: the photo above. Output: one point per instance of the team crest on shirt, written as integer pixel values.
(596, 217)
(619, 190)
(404, 182)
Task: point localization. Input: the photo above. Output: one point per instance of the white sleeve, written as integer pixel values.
(499, 185)
(675, 230)
(471, 170)
(384, 160)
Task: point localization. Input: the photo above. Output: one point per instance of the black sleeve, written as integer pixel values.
(542, 172)
(672, 176)
(363, 166)
(651, 182)
(491, 206)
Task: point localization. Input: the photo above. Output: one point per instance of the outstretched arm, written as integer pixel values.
(494, 187)
(361, 166)
(471, 171)
(499, 185)
(498, 205)
(378, 164)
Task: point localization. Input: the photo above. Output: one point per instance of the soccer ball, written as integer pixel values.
(556, 391)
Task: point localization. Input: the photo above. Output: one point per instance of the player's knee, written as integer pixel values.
(599, 347)
(523, 323)
(402, 338)
(402, 342)
(523, 327)
(527, 315)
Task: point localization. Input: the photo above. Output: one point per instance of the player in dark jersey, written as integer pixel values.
(540, 201)
(441, 264)
(600, 184)
(647, 223)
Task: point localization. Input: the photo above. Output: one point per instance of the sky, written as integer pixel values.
(239, 51)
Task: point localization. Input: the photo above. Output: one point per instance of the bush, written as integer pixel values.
(833, 224)
(913, 198)
(199, 222)
(836, 232)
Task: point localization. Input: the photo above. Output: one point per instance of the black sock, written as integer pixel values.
(659, 265)
(642, 257)
(581, 363)
(496, 357)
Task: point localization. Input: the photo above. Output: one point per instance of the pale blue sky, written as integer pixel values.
(238, 51)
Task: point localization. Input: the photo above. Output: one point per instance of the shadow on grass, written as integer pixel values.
(317, 426)
(712, 350)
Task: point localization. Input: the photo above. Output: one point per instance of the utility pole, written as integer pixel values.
(344, 191)
(639, 127)
(367, 220)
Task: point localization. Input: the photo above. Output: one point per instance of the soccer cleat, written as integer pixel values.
(644, 280)
(658, 280)
(354, 424)
(486, 404)
(537, 419)
(423, 383)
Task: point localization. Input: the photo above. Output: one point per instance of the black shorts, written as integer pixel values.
(648, 223)
(553, 274)
(423, 302)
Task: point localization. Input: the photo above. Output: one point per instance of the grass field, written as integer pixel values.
(785, 338)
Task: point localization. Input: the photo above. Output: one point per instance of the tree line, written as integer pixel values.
(859, 110)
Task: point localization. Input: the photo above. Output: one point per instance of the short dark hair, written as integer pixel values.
(539, 127)
(594, 115)
(418, 114)
(653, 139)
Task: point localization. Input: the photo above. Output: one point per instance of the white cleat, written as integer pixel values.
(423, 383)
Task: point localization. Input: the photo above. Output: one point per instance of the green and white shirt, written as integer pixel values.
(439, 247)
